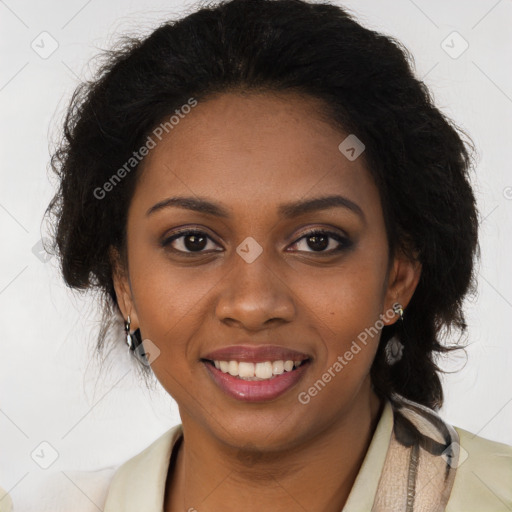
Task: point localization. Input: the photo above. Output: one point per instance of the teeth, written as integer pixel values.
(277, 367)
(263, 370)
(233, 368)
(256, 371)
(245, 369)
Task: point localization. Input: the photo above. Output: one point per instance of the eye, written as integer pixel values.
(189, 241)
(319, 240)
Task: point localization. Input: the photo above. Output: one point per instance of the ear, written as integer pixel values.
(404, 276)
(123, 288)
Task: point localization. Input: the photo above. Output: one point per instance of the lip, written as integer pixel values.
(255, 354)
(254, 390)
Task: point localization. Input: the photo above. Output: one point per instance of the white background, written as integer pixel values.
(52, 390)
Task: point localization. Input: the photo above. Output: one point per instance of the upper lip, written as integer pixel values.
(255, 354)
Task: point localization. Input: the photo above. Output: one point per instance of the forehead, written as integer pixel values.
(253, 150)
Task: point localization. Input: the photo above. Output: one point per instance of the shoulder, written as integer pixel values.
(156, 452)
(483, 480)
(107, 489)
(139, 483)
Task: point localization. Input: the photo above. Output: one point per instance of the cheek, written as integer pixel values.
(170, 302)
(347, 298)
(169, 299)
(345, 308)
(345, 312)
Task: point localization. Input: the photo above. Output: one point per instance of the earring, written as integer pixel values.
(397, 308)
(132, 340)
(394, 348)
(129, 340)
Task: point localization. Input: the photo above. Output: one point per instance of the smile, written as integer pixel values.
(256, 371)
(256, 382)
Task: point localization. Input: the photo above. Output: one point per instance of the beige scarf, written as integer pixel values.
(420, 463)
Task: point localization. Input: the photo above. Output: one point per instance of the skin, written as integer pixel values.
(250, 153)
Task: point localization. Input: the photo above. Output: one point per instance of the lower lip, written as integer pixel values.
(256, 390)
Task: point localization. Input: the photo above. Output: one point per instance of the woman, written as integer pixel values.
(283, 222)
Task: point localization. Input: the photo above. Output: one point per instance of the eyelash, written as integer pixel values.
(344, 242)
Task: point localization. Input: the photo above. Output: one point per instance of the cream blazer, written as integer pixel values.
(483, 481)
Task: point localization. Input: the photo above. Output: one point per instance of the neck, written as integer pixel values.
(209, 477)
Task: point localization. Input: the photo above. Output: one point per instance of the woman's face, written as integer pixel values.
(253, 279)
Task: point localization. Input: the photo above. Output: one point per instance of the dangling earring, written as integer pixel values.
(394, 348)
(132, 340)
(129, 340)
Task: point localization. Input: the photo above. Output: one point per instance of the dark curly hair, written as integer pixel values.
(419, 160)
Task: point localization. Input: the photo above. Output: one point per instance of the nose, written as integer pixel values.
(254, 295)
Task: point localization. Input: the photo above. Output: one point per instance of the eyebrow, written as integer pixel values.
(286, 210)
